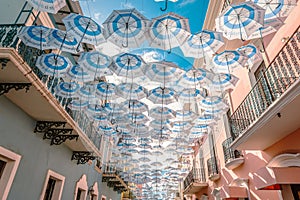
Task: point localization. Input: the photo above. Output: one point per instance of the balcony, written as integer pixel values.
(233, 158)
(112, 178)
(212, 167)
(195, 181)
(40, 101)
(270, 111)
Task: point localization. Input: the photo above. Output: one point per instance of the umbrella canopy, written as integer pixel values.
(251, 52)
(206, 119)
(50, 6)
(185, 115)
(128, 65)
(168, 31)
(105, 91)
(159, 124)
(222, 82)
(137, 118)
(189, 95)
(96, 63)
(84, 29)
(126, 28)
(270, 26)
(135, 106)
(53, 64)
(195, 77)
(87, 92)
(64, 41)
(162, 96)
(78, 104)
(35, 36)
(213, 103)
(228, 60)
(131, 91)
(162, 113)
(78, 73)
(67, 89)
(239, 21)
(276, 8)
(204, 42)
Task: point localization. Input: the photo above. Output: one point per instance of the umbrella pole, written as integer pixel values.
(85, 30)
(263, 47)
(166, 6)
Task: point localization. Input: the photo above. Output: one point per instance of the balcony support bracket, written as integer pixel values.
(6, 87)
(44, 126)
(82, 157)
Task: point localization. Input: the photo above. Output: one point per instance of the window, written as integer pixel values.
(81, 188)
(79, 193)
(53, 186)
(9, 162)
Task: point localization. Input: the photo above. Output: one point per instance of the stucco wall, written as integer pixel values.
(16, 134)
(10, 10)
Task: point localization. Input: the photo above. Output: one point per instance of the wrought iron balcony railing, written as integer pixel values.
(196, 175)
(212, 167)
(225, 4)
(8, 38)
(282, 72)
(229, 153)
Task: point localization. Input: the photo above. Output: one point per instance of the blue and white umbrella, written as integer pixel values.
(168, 31)
(50, 6)
(276, 8)
(84, 29)
(64, 41)
(114, 108)
(185, 115)
(222, 82)
(213, 103)
(270, 26)
(252, 54)
(67, 89)
(53, 64)
(189, 95)
(162, 96)
(126, 28)
(106, 91)
(101, 120)
(239, 21)
(87, 92)
(195, 78)
(35, 36)
(138, 129)
(160, 124)
(162, 113)
(206, 119)
(201, 128)
(144, 146)
(95, 109)
(128, 65)
(131, 91)
(181, 126)
(163, 72)
(78, 73)
(135, 106)
(96, 63)
(204, 42)
(226, 61)
(136, 118)
(78, 104)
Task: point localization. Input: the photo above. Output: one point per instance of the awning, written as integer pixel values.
(270, 178)
(229, 192)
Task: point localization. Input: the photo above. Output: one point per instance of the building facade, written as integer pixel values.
(253, 151)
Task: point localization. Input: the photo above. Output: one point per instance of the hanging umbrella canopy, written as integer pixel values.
(162, 113)
(185, 115)
(163, 72)
(64, 41)
(128, 65)
(252, 53)
(195, 78)
(135, 106)
(78, 73)
(94, 109)
(201, 128)
(162, 96)
(213, 103)
(222, 82)
(138, 129)
(137, 118)
(53, 64)
(204, 42)
(189, 95)
(181, 126)
(84, 29)
(50, 6)
(270, 26)
(168, 31)
(78, 105)
(239, 21)
(35, 36)
(114, 109)
(96, 63)
(228, 60)
(87, 92)
(105, 91)
(126, 28)
(67, 89)
(276, 8)
(159, 124)
(131, 91)
(144, 159)
(206, 119)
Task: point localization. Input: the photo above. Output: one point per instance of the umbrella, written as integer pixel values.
(204, 42)
(163, 72)
(114, 108)
(145, 146)
(87, 92)
(228, 60)
(64, 41)
(166, 4)
(239, 21)
(162, 96)
(188, 94)
(138, 129)
(137, 118)
(156, 164)
(128, 65)
(201, 128)
(94, 108)
(252, 54)
(50, 6)
(213, 103)
(53, 64)
(77, 104)
(105, 91)
(168, 31)
(185, 115)
(95, 63)
(35, 36)
(144, 159)
(78, 73)
(159, 124)
(276, 8)
(270, 26)
(206, 119)
(126, 28)
(131, 91)
(195, 77)
(222, 82)
(67, 89)
(162, 113)
(84, 29)
(135, 106)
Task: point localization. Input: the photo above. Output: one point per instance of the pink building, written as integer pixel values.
(253, 152)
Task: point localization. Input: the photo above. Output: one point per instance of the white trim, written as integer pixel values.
(285, 160)
(59, 185)
(82, 185)
(95, 190)
(103, 197)
(12, 162)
